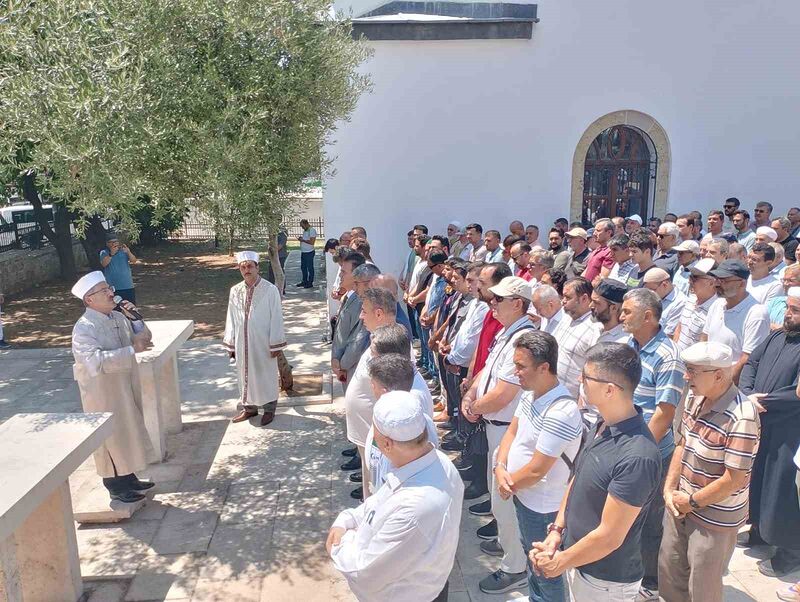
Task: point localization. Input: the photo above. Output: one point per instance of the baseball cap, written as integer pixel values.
(729, 268)
(512, 286)
(578, 232)
(688, 245)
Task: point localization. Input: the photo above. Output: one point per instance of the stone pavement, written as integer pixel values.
(240, 513)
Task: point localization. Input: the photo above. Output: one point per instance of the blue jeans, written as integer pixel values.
(533, 527)
(307, 267)
(428, 361)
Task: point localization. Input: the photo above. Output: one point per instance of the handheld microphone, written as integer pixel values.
(128, 313)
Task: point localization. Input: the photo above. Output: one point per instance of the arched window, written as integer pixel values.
(617, 172)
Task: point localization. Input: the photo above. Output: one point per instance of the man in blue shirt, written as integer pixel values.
(116, 260)
(658, 395)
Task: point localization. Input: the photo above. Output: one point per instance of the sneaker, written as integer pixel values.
(500, 582)
(646, 594)
(454, 445)
(488, 531)
(789, 593)
(492, 547)
(481, 508)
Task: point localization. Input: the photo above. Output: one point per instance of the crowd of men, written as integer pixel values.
(620, 400)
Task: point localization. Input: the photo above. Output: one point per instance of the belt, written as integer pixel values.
(496, 422)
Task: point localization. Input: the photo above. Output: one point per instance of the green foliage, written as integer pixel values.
(155, 228)
(226, 102)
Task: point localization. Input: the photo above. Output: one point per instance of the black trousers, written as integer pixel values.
(452, 384)
(307, 267)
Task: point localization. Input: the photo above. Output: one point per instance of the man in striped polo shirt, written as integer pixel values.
(706, 490)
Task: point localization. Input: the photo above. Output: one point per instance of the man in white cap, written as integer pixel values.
(706, 489)
(688, 253)
(703, 288)
(400, 544)
(254, 337)
(771, 373)
(672, 301)
(458, 240)
(493, 397)
(761, 284)
(104, 344)
(632, 224)
(766, 234)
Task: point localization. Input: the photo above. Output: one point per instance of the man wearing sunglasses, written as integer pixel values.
(104, 344)
(730, 207)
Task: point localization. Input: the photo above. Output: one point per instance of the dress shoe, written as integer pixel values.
(357, 494)
(439, 407)
(475, 490)
(492, 547)
(244, 415)
(749, 538)
(135, 483)
(454, 445)
(356, 477)
(451, 425)
(441, 417)
(353, 463)
(481, 508)
(488, 531)
(350, 452)
(267, 418)
(128, 497)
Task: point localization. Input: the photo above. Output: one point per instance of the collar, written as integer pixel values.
(626, 426)
(507, 332)
(615, 330)
(707, 303)
(97, 315)
(688, 268)
(670, 297)
(725, 399)
(650, 345)
(558, 315)
(582, 318)
(558, 391)
(397, 476)
(255, 284)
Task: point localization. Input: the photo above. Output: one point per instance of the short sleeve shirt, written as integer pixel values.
(598, 259)
(500, 366)
(622, 461)
(118, 272)
(308, 234)
(551, 425)
(741, 328)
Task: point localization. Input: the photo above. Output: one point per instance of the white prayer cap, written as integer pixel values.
(711, 355)
(656, 275)
(794, 292)
(456, 224)
(399, 416)
(246, 256)
(636, 218)
(85, 284)
(702, 267)
(768, 232)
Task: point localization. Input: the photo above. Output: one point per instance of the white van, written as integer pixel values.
(22, 215)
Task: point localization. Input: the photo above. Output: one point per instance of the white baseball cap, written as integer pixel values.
(688, 245)
(512, 286)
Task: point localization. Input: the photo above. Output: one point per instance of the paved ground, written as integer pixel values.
(241, 513)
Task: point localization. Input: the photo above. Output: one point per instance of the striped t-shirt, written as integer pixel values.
(723, 436)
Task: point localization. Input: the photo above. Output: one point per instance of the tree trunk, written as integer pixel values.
(94, 242)
(61, 237)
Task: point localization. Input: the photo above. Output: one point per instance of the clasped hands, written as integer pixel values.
(545, 556)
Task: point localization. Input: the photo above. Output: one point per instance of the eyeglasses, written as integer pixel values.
(584, 376)
(693, 371)
(499, 299)
(759, 210)
(103, 290)
(662, 235)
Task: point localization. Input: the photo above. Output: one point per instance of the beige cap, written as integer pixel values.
(703, 267)
(656, 275)
(512, 286)
(578, 232)
(711, 355)
(688, 245)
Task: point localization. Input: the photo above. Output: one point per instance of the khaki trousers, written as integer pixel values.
(692, 560)
(584, 588)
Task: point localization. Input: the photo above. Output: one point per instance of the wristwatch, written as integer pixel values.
(692, 503)
(554, 527)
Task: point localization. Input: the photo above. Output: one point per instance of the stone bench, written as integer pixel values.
(38, 548)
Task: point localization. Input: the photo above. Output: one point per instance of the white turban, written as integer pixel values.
(246, 256)
(86, 283)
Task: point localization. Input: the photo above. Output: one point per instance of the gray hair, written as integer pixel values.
(780, 254)
(546, 294)
(545, 258)
(645, 299)
(735, 251)
(366, 272)
(392, 338)
(784, 222)
(392, 370)
(671, 229)
(605, 222)
(724, 246)
(381, 299)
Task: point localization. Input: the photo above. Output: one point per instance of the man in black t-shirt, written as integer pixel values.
(641, 249)
(596, 537)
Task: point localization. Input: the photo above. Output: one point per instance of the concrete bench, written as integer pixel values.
(158, 374)
(38, 547)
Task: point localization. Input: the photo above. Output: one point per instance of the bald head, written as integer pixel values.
(385, 281)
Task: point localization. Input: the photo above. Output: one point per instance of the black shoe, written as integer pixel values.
(357, 494)
(454, 445)
(451, 436)
(356, 477)
(353, 463)
(475, 490)
(488, 531)
(138, 485)
(423, 372)
(300, 284)
(784, 562)
(4, 345)
(500, 582)
(350, 452)
(492, 547)
(450, 425)
(463, 462)
(309, 286)
(748, 539)
(128, 497)
(481, 508)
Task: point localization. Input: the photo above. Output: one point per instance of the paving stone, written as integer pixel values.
(251, 503)
(104, 591)
(164, 578)
(189, 522)
(114, 550)
(245, 589)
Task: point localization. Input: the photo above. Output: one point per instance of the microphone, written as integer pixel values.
(128, 313)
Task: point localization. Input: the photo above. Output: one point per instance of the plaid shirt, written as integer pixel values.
(662, 381)
(575, 338)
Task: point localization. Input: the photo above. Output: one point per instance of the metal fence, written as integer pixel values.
(28, 236)
(197, 227)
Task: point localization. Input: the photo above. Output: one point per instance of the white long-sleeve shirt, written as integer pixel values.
(401, 542)
(466, 339)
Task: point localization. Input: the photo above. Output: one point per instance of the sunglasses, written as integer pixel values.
(499, 299)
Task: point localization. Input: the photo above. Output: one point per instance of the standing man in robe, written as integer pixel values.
(104, 344)
(254, 338)
(771, 374)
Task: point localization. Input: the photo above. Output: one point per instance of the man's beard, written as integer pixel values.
(791, 328)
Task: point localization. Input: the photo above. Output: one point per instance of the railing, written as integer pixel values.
(198, 228)
(28, 236)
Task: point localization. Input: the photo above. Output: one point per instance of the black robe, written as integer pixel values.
(772, 368)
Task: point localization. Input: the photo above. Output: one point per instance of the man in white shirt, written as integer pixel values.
(532, 236)
(538, 450)
(576, 333)
(761, 284)
(672, 301)
(400, 544)
(477, 251)
(494, 396)
(736, 318)
(605, 307)
(307, 239)
(494, 250)
(688, 254)
(547, 304)
(703, 289)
